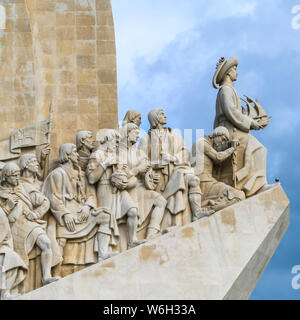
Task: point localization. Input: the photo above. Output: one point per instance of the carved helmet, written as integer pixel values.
(222, 67)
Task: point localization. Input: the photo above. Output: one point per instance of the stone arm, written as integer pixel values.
(230, 110)
(142, 165)
(53, 189)
(217, 157)
(91, 195)
(40, 203)
(42, 153)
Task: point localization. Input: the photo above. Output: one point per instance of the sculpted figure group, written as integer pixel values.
(112, 190)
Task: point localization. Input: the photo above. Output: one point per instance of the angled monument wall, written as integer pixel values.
(61, 52)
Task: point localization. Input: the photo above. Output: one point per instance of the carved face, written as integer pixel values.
(13, 178)
(88, 142)
(32, 165)
(137, 120)
(133, 135)
(74, 156)
(162, 119)
(220, 143)
(233, 74)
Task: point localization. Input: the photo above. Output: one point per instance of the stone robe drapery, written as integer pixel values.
(13, 267)
(118, 201)
(250, 171)
(168, 141)
(68, 191)
(173, 176)
(145, 199)
(204, 158)
(24, 232)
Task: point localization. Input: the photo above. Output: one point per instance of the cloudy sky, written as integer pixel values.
(167, 51)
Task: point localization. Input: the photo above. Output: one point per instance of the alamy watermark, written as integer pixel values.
(296, 279)
(2, 17)
(296, 19)
(2, 278)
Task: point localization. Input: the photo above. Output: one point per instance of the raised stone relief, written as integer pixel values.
(111, 180)
(13, 268)
(216, 194)
(169, 158)
(76, 221)
(249, 170)
(76, 190)
(107, 195)
(25, 207)
(31, 136)
(132, 116)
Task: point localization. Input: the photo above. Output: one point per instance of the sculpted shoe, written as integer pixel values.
(202, 213)
(135, 244)
(106, 256)
(152, 234)
(169, 229)
(50, 280)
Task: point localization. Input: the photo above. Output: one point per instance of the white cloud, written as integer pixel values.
(145, 27)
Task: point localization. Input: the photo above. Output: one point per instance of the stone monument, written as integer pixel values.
(58, 63)
(76, 190)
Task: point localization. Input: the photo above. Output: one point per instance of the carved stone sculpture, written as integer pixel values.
(249, 170)
(209, 153)
(132, 116)
(148, 201)
(169, 157)
(79, 225)
(85, 145)
(29, 167)
(13, 269)
(25, 210)
(101, 169)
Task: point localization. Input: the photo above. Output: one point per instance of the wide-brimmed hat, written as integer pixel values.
(222, 67)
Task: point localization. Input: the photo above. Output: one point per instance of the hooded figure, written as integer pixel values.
(169, 157)
(132, 116)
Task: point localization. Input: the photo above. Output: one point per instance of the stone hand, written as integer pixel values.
(255, 125)
(45, 152)
(110, 161)
(69, 222)
(84, 214)
(235, 143)
(167, 157)
(11, 202)
(143, 168)
(30, 215)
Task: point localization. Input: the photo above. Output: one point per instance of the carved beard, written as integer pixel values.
(88, 145)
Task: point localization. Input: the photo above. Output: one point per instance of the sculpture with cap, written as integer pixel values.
(246, 170)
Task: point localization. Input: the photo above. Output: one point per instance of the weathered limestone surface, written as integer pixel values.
(217, 257)
(61, 51)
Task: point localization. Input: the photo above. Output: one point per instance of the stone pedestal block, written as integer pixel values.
(218, 257)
